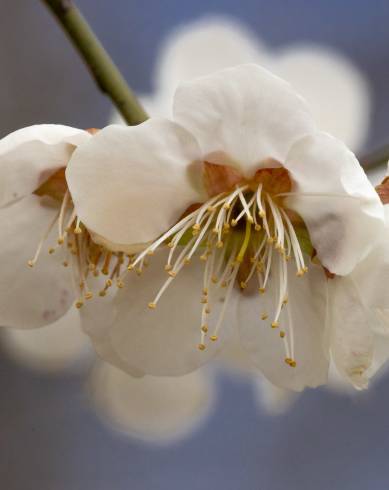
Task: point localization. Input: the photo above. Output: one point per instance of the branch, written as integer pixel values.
(106, 74)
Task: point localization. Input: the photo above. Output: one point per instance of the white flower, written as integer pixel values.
(32, 187)
(324, 77)
(245, 181)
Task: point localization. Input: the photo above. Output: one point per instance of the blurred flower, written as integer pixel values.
(154, 409)
(272, 188)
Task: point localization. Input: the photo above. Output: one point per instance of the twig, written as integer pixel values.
(106, 74)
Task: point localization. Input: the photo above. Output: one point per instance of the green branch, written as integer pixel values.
(106, 74)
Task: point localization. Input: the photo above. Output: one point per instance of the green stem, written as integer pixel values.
(375, 158)
(106, 74)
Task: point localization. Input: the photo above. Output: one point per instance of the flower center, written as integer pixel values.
(243, 237)
(81, 253)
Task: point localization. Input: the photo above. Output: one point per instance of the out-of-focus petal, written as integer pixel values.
(53, 348)
(154, 409)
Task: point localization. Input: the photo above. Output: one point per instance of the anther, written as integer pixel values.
(65, 263)
(102, 293)
(120, 284)
(152, 306)
(214, 338)
(201, 346)
(234, 222)
(243, 285)
(89, 295)
(219, 244)
(79, 304)
(30, 263)
(204, 328)
(108, 283)
(51, 250)
(257, 227)
(60, 240)
(264, 316)
(282, 334)
(172, 273)
(261, 290)
(275, 325)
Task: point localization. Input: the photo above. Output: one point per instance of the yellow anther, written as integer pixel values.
(108, 283)
(250, 219)
(102, 293)
(30, 263)
(79, 304)
(285, 301)
(201, 346)
(264, 316)
(170, 244)
(300, 273)
(288, 257)
(152, 305)
(305, 269)
(290, 362)
(60, 240)
(243, 285)
(282, 334)
(257, 227)
(119, 284)
(214, 279)
(172, 273)
(196, 227)
(226, 205)
(261, 290)
(138, 272)
(219, 244)
(91, 267)
(77, 230)
(262, 213)
(65, 263)
(275, 325)
(150, 252)
(270, 240)
(168, 267)
(204, 301)
(89, 295)
(207, 310)
(187, 260)
(210, 209)
(223, 284)
(215, 231)
(226, 227)
(51, 250)
(130, 267)
(234, 222)
(203, 257)
(204, 328)
(195, 232)
(214, 338)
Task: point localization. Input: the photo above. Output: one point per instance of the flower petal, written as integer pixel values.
(340, 207)
(35, 297)
(351, 337)
(242, 116)
(306, 306)
(154, 409)
(372, 274)
(130, 184)
(53, 348)
(163, 342)
(31, 155)
(202, 47)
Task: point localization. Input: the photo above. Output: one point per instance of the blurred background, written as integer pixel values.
(67, 422)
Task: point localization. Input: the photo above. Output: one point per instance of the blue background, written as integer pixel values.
(50, 437)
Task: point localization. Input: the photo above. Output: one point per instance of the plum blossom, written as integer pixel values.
(240, 193)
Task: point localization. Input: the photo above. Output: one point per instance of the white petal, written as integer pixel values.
(164, 341)
(336, 91)
(53, 348)
(130, 184)
(34, 297)
(372, 274)
(307, 309)
(342, 210)
(154, 409)
(242, 116)
(31, 155)
(351, 338)
(202, 47)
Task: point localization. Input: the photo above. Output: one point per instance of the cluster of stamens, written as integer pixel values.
(243, 237)
(86, 259)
